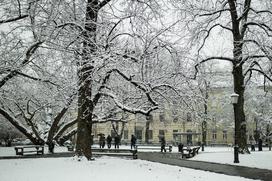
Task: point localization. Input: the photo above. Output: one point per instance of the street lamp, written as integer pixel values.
(234, 98)
(234, 101)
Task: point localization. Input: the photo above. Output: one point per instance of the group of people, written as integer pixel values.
(117, 141)
(253, 143)
(102, 141)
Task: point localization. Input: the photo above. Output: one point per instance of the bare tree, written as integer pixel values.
(248, 26)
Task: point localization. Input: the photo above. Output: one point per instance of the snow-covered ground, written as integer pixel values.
(225, 155)
(257, 159)
(107, 168)
(10, 151)
(102, 169)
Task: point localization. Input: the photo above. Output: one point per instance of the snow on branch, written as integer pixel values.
(154, 88)
(71, 24)
(251, 57)
(244, 15)
(103, 3)
(211, 58)
(17, 124)
(209, 31)
(145, 89)
(263, 26)
(67, 136)
(64, 128)
(105, 120)
(129, 109)
(30, 51)
(215, 12)
(35, 78)
(262, 47)
(13, 19)
(261, 11)
(54, 127)
(261, 72)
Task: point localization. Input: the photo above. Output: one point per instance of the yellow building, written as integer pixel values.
(184, 126)
(174, 129)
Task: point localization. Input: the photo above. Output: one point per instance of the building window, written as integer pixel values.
(150, 134)
(162, 118)
(214, 134)
(189, 117)
(139, 134)
(189, 137)
(161, 133)
(175, 136)
(225, 135)
(126, 134)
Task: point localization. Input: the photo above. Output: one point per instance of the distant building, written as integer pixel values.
(183, 126)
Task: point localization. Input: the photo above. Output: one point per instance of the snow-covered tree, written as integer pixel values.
(246, 27)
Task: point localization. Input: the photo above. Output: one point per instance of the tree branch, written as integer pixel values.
(29, 53)
(54, 127)
(13, 19)
(128, 109)
(211, 58)
(64, 128)
(20, 127)
(213, 13)
(35, 78)
(103, 3)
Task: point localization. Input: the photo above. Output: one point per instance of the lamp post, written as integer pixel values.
(234, 101)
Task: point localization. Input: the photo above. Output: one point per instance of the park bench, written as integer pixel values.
(38, 149)
(168, 148)
(115, 152)
(190, 152)
(70, 147)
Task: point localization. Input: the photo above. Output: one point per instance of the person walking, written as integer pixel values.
(102, 141)
(252, 143)
(260, 145)
(133, 141)
(180, 148)
(109, 139)
(163, 144)
(116, 142)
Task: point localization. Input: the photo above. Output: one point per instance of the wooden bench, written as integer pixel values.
(70, 147)
(38, 149)
(115, 152)
(190, 152)
(168, 148)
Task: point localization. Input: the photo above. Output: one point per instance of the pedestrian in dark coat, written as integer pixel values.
(116, 141)
(163, 144)
(133, 141)
(102, 140)
(109, 139)
(180, 148)
(260, 144)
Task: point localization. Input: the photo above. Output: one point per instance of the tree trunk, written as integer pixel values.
(204, 133)
(85, 69)
(239, 115)
(238, 79)
(204, 123)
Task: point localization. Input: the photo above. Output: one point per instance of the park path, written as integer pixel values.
(174, 159)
